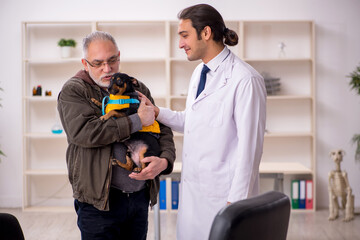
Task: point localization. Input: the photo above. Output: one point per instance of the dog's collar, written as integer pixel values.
(122, 101)
(117, 102)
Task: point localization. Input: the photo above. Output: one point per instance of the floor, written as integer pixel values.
(302, 226)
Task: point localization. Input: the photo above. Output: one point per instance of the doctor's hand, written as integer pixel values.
(155, 167)
(149, 103)
(146, 113)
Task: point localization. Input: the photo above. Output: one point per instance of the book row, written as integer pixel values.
(174, 194)
(302, 194)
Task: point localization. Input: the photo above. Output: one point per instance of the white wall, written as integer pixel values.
(337, 54)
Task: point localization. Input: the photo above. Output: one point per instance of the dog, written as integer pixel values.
(121, 86)
(124, 101)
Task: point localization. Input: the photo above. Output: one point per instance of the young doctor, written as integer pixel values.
(223, 124)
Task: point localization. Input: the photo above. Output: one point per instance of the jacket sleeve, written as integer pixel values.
(80, 118)
(166, 140)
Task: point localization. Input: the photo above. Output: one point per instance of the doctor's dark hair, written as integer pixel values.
(202, 15)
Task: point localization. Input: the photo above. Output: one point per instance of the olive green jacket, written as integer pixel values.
(90, 141)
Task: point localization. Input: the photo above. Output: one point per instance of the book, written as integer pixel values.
(295, 194)
(309, 194)
(162, 194)
(302, 194)
(174, 194)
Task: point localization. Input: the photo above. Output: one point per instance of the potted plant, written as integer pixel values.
(355, 84)
(66, 46)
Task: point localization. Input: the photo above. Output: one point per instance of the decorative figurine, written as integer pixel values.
(339, 187)
(282, 46)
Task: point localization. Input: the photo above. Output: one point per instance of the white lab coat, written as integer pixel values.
(223, 142)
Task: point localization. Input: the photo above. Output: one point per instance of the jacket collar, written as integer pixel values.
(84, 75)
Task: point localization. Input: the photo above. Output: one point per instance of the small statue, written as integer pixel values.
(339, 187)
(282, 46)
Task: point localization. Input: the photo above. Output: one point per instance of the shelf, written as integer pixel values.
(42, 135)
(288, 97)
(284, 168)
(181, 97)
(50, 172)
(52, 60)
(178, 59)
(277, 59)
(41, 98)
(287, 134)
(141, 60)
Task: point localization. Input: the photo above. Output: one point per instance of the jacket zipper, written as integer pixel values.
(108, 186)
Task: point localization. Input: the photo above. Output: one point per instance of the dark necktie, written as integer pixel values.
(202, 82)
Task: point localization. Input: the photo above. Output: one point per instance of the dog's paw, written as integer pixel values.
(99, 104)
(137, 170)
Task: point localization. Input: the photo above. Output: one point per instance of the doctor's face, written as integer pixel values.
(195, 49)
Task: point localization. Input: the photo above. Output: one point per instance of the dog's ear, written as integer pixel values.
(135, 82)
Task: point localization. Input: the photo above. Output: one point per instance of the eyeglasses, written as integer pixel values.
(97, 64)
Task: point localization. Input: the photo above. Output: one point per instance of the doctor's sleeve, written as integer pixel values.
(250, 117)
(173, 119)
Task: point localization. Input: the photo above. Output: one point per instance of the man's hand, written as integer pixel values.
(149, 103)
(146, 113)
(155, 167)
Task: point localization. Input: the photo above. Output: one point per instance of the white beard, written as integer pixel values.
(99, 82)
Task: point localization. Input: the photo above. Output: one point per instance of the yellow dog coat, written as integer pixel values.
(118, 102)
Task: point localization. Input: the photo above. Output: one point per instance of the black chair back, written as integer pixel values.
(264, 217)
(10, 228)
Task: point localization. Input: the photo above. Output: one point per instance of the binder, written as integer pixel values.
(295, 194)
(309, 194)
(174, 194)
(162, 194)
(302, 194)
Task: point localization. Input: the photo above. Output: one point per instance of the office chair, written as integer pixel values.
(264, 217)
(10, 228)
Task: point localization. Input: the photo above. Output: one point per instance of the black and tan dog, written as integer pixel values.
(124, 101)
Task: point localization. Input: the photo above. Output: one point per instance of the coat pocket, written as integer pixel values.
(214, 112)
(214, 178)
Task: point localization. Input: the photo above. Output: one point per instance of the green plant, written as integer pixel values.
(355, 79)
(355, 84)
(67, 42)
